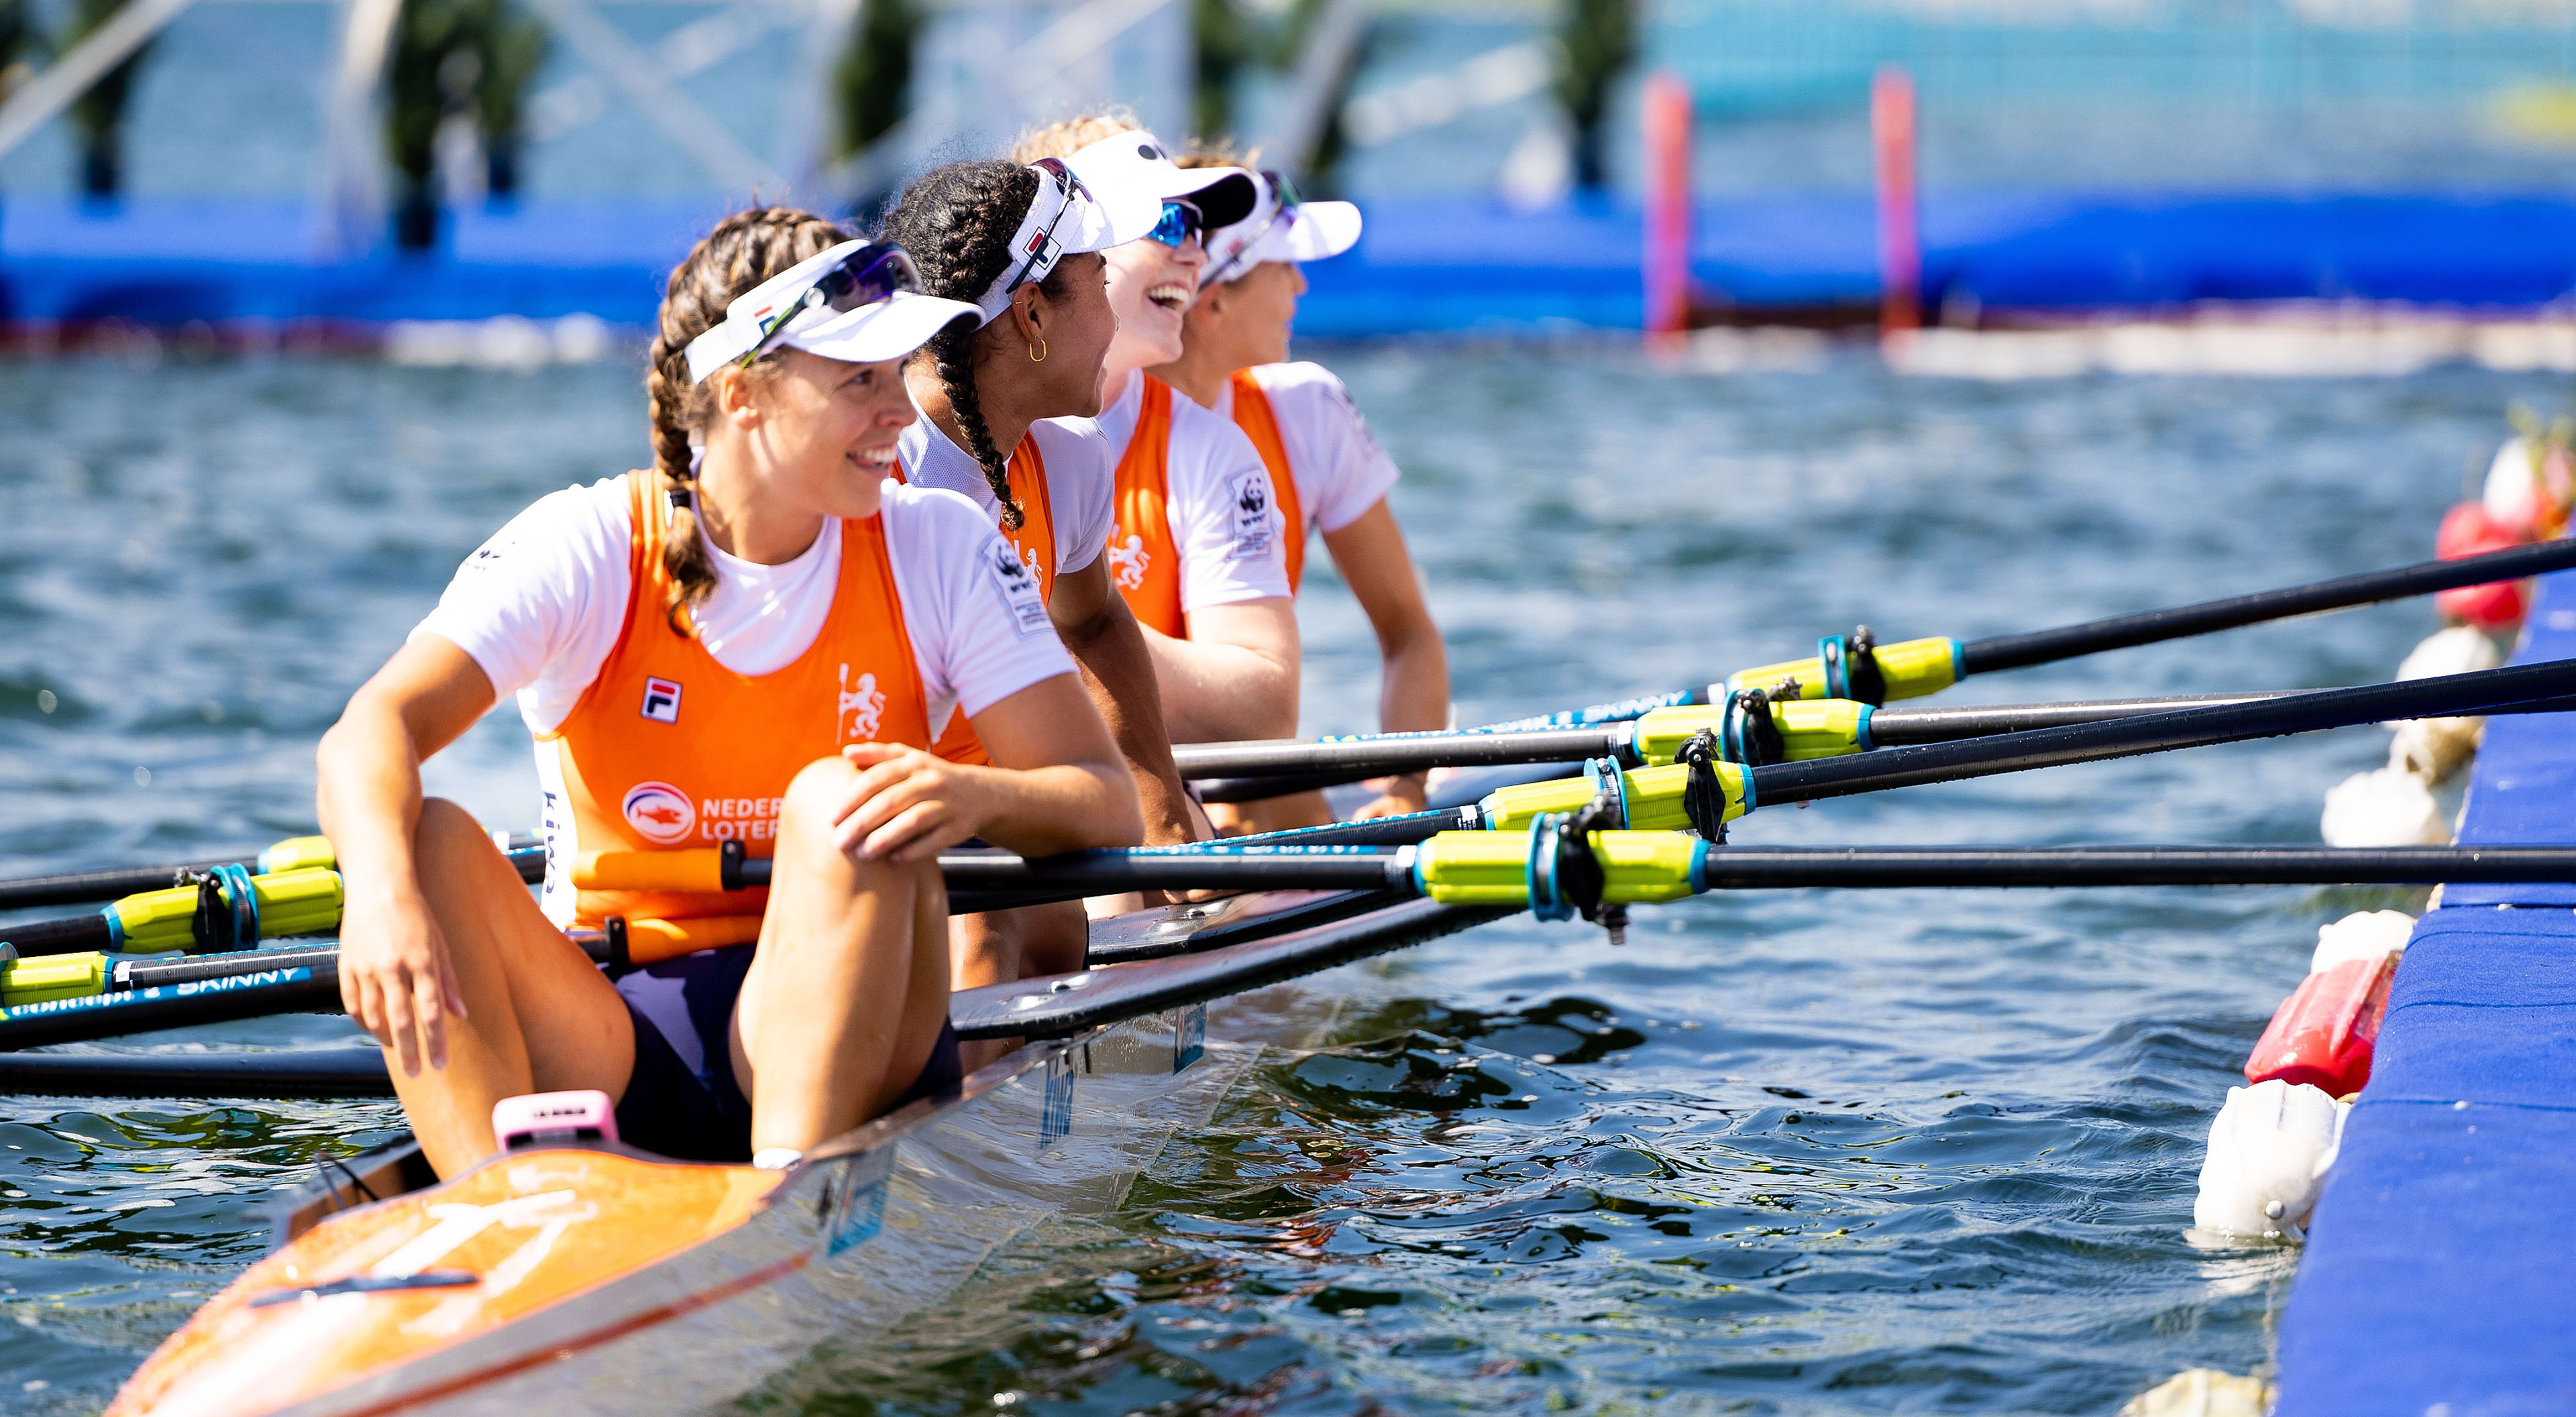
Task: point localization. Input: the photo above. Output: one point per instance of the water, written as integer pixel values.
(1810, 1151)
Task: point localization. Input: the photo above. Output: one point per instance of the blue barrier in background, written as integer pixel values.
(1426, 264)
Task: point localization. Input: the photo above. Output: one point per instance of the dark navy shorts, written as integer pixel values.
(682, 1100)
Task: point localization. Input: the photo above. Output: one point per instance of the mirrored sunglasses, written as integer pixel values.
(875, 272)
(1181, 222)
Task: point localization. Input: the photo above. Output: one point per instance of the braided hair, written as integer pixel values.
(957, 222)
(745, 249)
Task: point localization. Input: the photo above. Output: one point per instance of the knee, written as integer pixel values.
(448, 838)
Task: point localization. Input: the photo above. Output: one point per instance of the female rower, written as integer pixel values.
(1005, 405)
(1197, 548)
(752, 642)
(1326, 467)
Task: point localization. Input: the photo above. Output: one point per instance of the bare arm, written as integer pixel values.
(394, 974)
(1414, 693)
(1056, 784)
(1235, 676)
(1109, 648)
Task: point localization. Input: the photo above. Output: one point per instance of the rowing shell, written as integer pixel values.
(607, 1279)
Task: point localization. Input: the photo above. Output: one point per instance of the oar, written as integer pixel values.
(1917, 667)
(1655, 796)
(1455, 868)
(1703, 795)
(293, 854)
(1805, 729)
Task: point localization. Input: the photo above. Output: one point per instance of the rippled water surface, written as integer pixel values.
(1814, 1152)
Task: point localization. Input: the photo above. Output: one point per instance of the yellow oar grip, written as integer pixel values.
(290, 903)
(1654, 797)
(698, 870)
(1912, 668)
(298, 853)
(1809, 728)
(1493, 868)
(49, 977)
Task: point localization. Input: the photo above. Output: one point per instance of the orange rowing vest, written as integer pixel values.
(669, 750)
(1142, 558)
(1253, 414)
(1035, 541)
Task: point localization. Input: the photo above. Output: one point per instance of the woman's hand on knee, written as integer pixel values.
(396, 978)
(907, 805)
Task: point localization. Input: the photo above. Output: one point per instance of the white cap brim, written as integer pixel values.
(1317, 230)
(889, 329)
(1136, 160)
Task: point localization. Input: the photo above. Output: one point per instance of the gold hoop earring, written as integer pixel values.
(1037, 352)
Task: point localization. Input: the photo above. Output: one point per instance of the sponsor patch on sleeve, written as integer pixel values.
(1018, 583)
(1254, 521)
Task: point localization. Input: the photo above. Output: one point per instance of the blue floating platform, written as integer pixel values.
(2438, 1275)
(1425, 264)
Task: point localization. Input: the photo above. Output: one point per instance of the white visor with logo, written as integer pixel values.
(1136, 158)
(888, 327)
(1070, 215)
(1277, 230)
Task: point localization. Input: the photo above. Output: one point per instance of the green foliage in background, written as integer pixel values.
(451, 58)
(1596, 42)
(98, 116)
(873, 81)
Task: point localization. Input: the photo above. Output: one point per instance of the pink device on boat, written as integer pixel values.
(554, 1119)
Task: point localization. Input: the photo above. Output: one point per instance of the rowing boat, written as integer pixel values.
(596, 1277)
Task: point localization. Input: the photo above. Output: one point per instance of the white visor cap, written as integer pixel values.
(885, 329)
(1137, 158)
(1088, 215)
(1309, 231)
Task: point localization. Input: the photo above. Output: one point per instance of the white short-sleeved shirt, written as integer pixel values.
(1081, 478)
(1339, 469)
(1209, 470)
(542, 604)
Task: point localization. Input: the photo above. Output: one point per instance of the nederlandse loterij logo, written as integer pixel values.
(863, 707)
(659, 812)
(1128, 561)
(661, 700)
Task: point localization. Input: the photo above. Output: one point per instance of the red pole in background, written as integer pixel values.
(1900, 249)
(1668, 184)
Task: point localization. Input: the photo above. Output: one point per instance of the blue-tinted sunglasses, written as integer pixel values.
(1181, 221)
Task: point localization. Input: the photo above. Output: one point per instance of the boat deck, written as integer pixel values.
(2437, 1278)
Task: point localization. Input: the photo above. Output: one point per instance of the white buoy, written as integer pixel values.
(2389, 807)
(2435, 748)
(2269, 1152)
(2362, 935)
(2203, 1392)
(2457, 650)
(2513, 489)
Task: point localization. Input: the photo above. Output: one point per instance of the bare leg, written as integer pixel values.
(540, 1016)
(850, 986)
(1003, 946)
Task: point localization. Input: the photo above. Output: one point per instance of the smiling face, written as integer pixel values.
(1074, 315)
(1151, 286)
(823, 430)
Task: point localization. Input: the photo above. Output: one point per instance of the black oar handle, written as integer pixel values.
(1379, 756)
(2441, 696)
(2370, 587)
(1885, 867)
(74, 887)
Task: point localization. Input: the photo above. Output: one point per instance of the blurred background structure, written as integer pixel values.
(277, 165)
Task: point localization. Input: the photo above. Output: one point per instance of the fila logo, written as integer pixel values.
(661, 700)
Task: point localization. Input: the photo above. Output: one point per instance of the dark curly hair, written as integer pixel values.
(957, 222)
(745, 249)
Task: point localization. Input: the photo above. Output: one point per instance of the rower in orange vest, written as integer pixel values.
(1327, 471)
(1199, 545)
